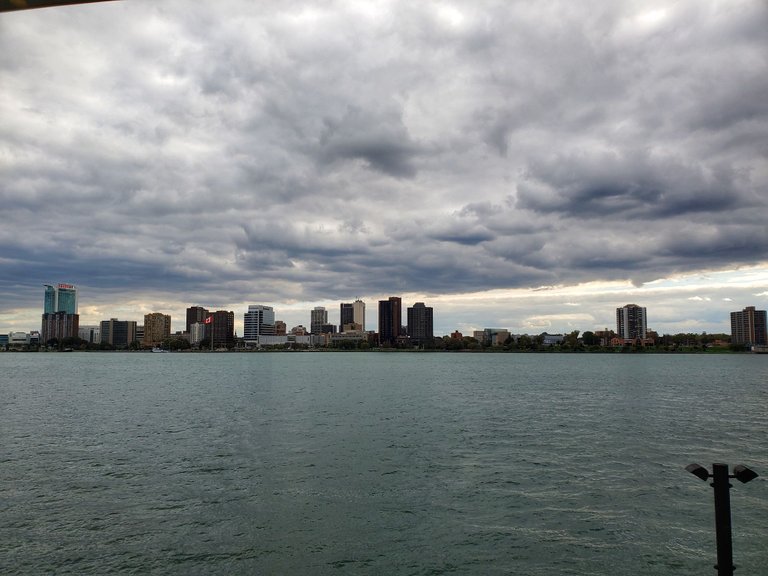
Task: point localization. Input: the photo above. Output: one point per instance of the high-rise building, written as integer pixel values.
(749, 327)
(346, 315)
(67, 298)
(390, 315)
(60, 318)
(420, 323)
(258, 321)
(196, 333)
(157, 327)
(222, 329)
(59, 325)
(118, 333)
(358, 306)
(60, 298)
(631, 322)
(195, 314)
(49, 303)
(319, 316)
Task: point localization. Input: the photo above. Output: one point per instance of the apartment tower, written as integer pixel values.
(390, 318)
(420, 323)
(748, 327)
(631, 322)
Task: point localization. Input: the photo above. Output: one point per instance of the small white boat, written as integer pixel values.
(160, 350)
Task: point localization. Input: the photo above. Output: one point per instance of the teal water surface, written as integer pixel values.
(373, 463)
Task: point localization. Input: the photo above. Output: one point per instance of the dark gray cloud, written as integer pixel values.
(311, 150)
(381, 141)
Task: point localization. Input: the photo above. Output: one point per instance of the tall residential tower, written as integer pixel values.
(420, 323)
(390, 318)
(631, 322)
(748, 327)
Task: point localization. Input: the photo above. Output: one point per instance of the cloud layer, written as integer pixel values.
(307, 151)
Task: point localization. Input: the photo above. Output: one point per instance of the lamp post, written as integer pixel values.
(722, 489)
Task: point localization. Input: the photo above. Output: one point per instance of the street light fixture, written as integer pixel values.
(722, 488)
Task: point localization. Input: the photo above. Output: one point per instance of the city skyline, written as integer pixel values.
(630, 319)
(476, 315)
(748, 326)
(533, 166)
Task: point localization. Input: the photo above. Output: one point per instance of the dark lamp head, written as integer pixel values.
(744, 474)
(698, 471)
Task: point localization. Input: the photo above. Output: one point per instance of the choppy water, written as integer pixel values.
(366, 463)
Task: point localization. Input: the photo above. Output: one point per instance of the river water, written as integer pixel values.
(377, 463)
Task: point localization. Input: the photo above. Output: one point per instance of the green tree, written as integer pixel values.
(589, 338)
(571, 340)
(524, 342)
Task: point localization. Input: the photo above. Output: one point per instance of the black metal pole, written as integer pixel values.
(722, 489)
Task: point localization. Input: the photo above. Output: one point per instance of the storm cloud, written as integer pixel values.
(308, 151)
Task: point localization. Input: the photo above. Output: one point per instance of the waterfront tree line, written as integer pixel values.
(574, 342)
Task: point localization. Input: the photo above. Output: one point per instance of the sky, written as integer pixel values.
(520, 165)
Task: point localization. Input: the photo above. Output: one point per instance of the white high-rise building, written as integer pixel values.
(196, 333)
(358, 313)
(258, 321)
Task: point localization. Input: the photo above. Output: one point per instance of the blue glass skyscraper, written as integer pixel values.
(49, 306)
(60, 298)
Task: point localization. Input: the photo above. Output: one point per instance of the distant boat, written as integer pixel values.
(758, 349)
(160, 350)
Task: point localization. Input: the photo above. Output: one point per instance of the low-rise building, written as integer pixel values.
(18, 339)
(552, 339)
(91, 334)
(493, 336)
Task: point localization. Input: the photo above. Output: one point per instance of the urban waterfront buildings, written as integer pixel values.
(60, 298)
(118, 333)
(346, 315)
(318, 317)
(195, 315)
(60, 319)
(91, 334)
(157, 327)
(221, 329)
(631, 322)
(491, 336)
(358, 313)
(352, 316)
(59, 325)
(196, 333)
(749, 327)
(259, 321)
(420, 323)
(390, 320)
